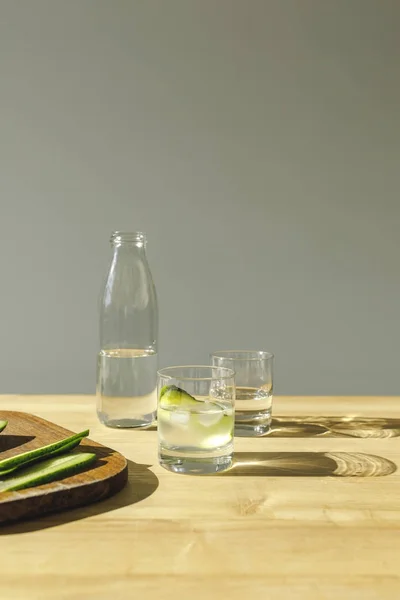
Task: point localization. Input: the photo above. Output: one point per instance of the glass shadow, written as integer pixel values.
(310, 464)
(356, 427)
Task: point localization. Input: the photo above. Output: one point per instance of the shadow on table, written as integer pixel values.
(142, 483)
(310, 464)
(357, 427)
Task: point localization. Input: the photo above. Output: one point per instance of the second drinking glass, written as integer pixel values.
(253, 374)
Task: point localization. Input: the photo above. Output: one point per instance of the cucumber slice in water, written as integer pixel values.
(186, 421)
(171, 395)
(13, 463)
(48, 470)
(3, 424)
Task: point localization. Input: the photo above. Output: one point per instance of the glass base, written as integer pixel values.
(196, 466)
(128, 422)
(242, 430)
(252, 424)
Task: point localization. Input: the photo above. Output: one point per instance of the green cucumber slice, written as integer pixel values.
(48, 470)
(3, 424)
(171, 395)
(8, 465)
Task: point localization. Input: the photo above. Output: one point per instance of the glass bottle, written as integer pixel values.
(127, 361)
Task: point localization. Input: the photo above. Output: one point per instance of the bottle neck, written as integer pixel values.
(131, 241)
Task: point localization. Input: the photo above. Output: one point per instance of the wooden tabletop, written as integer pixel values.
(311, 511)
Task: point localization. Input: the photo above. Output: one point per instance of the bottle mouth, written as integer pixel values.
(118, 238)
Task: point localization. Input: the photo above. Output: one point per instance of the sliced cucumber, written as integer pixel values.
(48, 470)
(171, 395)
(3, 424)
(8, 465)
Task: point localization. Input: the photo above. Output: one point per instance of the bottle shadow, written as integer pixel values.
(356, 427)
(310, 464)
(142, 483)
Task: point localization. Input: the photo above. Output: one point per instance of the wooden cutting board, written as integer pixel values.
(26, 432)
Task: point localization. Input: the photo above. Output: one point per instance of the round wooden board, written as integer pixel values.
(26, 432)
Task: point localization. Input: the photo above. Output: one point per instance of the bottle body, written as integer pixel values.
(127, 361)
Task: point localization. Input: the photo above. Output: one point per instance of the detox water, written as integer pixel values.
(126, 387)
(195, 436)
(253, 410)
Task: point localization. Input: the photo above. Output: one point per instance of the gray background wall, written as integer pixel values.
(257, 143)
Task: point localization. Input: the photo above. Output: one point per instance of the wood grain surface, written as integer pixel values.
(26, 432)
(311, 511)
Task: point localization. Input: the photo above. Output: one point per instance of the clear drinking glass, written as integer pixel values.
(195, 419)
(127, 361)
(254, 386)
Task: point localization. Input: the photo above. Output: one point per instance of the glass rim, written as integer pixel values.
(229, 373)
(247, 354)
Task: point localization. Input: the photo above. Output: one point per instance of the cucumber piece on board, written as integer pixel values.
(8, 465)
(47, 471)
